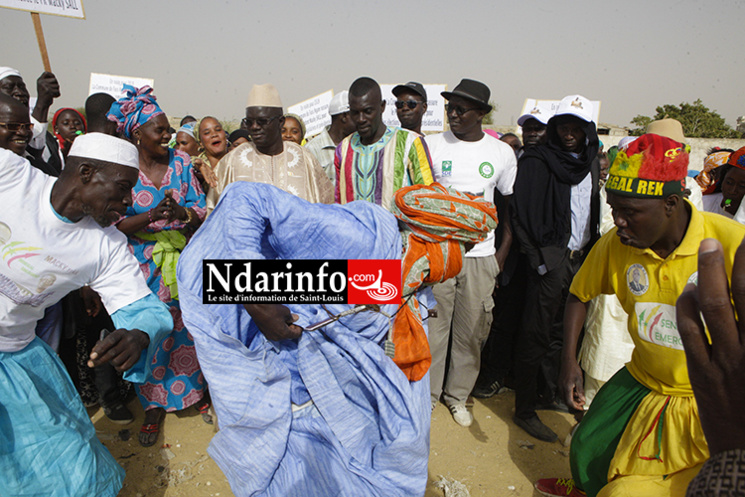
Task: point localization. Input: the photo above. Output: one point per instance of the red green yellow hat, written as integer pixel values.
(652, 166)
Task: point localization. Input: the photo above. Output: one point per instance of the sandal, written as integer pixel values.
(204, 410)
(149, 432)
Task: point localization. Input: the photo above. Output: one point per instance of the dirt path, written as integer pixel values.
(492, 458)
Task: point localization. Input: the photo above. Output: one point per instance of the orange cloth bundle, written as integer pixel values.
(436, 222)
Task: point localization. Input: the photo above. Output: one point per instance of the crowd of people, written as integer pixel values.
(540, 263)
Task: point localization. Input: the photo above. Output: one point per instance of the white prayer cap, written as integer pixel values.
(8, 71)
(339, 104)
(541, 112)
(264, 96)
(100, 146)
(575, 105)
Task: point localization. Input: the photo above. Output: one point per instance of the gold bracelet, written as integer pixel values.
(188, 216)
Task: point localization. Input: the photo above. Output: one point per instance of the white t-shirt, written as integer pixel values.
(43, 258)
(475, 168)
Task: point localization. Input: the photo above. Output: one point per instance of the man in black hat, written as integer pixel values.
(411, 105)
(470, 161)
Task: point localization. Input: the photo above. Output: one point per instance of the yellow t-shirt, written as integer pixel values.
(648, 287)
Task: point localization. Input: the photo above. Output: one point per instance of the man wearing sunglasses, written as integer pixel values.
(411, 105)
(268, 159)
(470, 161)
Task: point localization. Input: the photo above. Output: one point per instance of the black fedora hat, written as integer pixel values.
(473, 90)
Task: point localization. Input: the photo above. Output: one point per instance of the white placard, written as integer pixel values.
(315, 112)
(554, 104)
(112, 84)
(65, 8)
(433, 120)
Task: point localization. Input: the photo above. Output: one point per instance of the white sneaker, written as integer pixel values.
(461, 415)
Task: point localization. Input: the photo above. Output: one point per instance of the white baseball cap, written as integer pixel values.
(339, 104)
(575, 105)
(100, 146)
(541, 112)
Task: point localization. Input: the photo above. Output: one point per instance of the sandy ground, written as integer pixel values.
(491, 458)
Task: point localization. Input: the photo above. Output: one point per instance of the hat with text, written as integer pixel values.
(541, 112)
(652, 166)
(417, 88)
(339, 104)
(575, 105)
(472, 90)
(264, 96)
(100, 146)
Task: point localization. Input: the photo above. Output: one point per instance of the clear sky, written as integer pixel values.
(204, 56)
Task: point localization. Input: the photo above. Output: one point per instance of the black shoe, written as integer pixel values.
(484, 392)
(554, 405)
(536, 428)
(119, 414)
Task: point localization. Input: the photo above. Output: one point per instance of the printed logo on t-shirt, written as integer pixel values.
(447, 168)
(486, 170)
(693, 278)
(637, 279)
(657, 324)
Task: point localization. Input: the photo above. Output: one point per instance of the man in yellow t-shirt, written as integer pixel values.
(642, 434)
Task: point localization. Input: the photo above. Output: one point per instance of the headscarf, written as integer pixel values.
(711, 162)
(737, 158)
(54, 123)
(133, 110)
(299, 120)
(435, 222)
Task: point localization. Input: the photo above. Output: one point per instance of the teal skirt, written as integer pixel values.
(48, 445)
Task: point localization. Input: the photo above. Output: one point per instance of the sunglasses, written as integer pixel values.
(411, 104)
(18, 126)
(262, 121)
(457, 109)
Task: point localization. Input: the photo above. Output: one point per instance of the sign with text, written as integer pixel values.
(66, 8)
(434, 118)
(315, 112)
(262, 281)
(531, 103)
(111, 84)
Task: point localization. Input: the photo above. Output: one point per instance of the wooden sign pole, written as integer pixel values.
(40, 38)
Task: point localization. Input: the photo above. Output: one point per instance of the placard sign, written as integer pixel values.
(530, 103)
(315, 112)
(111, 84)
(433, 120)
(65, 8)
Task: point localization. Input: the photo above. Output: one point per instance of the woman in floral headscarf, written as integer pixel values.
(168, 206)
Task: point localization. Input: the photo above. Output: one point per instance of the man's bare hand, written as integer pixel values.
(274, 321)
(571, 385)
(122, 349)
(716, 370)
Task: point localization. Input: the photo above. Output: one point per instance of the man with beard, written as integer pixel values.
(555, 219)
